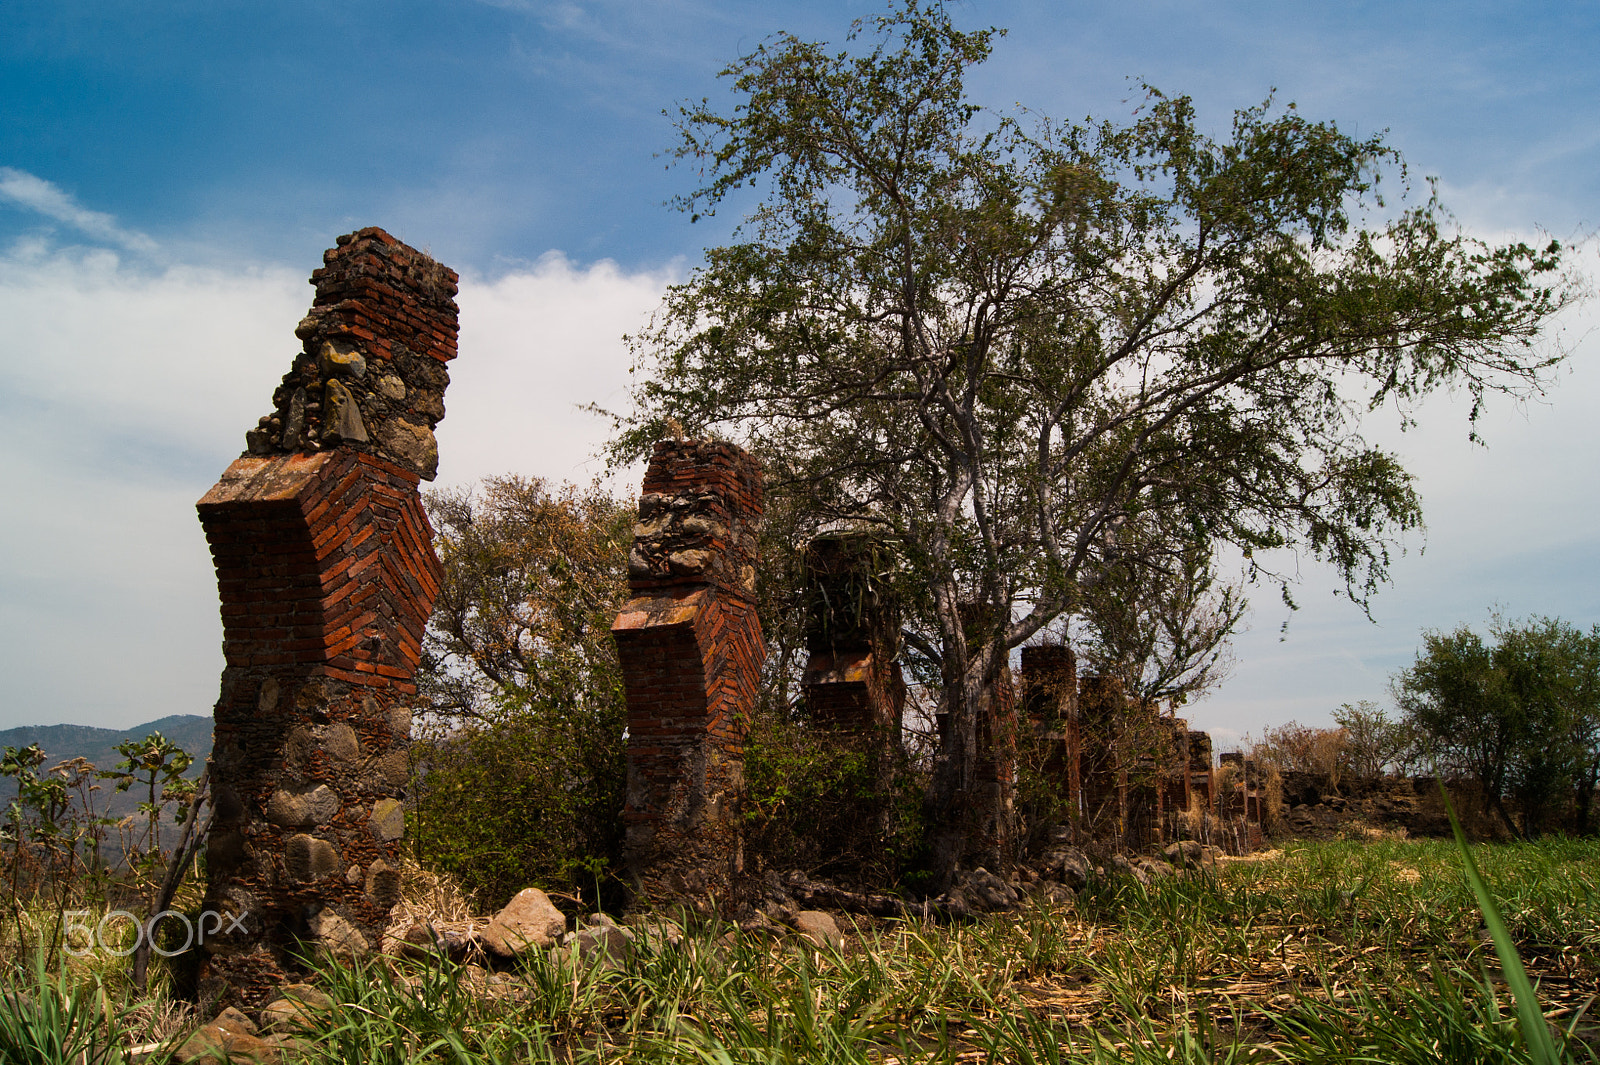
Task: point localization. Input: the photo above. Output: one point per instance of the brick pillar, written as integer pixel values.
(1102, 710)
(691, 651)
(852, 682)
(1175, 780)
(1050, 700)
(326, 573)
(1200, 769)
(1146, 743)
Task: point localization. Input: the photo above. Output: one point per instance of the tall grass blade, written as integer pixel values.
(1530, 1015)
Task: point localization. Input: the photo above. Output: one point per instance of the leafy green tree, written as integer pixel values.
(521, 765)
(157, 764)
(1371, 743)
(1519, 716)
(1164, 630)
(1008, 341)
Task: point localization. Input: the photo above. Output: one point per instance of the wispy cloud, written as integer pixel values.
(36, 194)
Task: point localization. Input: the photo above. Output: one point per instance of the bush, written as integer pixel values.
(828, 803)
(532, 799)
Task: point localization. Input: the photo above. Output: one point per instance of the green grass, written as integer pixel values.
(1381, 952)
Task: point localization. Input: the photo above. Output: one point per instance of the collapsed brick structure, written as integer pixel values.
(691, 650)
(852, 681)
(1050, 701)
(1128, 773)
(1102, 707)
(1241, 803)
(326, 574)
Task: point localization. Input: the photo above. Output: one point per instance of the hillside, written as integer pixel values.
(60, 743)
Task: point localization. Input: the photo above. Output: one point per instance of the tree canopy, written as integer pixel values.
(1519, 715)
(1040, 354)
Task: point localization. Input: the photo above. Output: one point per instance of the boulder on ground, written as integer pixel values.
(294, 1008)
(601, 936)
(1184, 854)
(529, 921)
(820, 928)
(1055, 894)
(1066, 864)
(1155, 868)
(230, 1037)
(986, 892)
(1120, 864)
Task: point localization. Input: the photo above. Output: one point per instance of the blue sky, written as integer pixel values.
(171, 172)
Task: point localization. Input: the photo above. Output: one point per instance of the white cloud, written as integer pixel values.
(124, 393)
(536, 344)
(36, 194)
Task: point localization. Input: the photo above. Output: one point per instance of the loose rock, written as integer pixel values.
(530, 920)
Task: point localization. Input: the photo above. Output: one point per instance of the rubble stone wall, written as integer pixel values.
(852, 681)
(691, 650)
(326, 575)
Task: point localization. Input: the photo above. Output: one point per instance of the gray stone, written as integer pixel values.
(656, 933)
(338, 934)
(986, 892)
(1184, 853)
(528, 921)
(687, 563)
(820, 928)
(388, 819)
(602, 941)
(294, 424)
(411, 445)
(340, 741)
(1056, 894)
(383, 884)
(341, 417)
(391, 387)
(400, 722)
(340, 359)
(1066, 864)
(702, 525)
(1120, 864)
(310, 858)
(392, 769)
(267, 698)
(299, 808)
(295, 1009)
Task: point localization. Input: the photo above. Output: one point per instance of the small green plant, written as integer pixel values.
(59, 1018)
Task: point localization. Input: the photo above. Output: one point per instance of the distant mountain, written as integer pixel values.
(61, 743)
(99, 745)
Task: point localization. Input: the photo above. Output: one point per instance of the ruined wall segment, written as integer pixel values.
(326, 575)
(1050, 700)
(371, 373)
(690, 646)
(852, 681)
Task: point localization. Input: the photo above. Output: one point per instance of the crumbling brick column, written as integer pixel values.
(1102, 708)
(1239, 804)
(852, 682)
(1200, 770)
(690, 646)
(326, 573)
(1050, 700)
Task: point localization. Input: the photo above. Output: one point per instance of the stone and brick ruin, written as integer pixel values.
(327, 575)
(852, 681)
(691, 651)
(1129, 774)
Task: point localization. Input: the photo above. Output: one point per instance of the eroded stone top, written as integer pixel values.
(371, 372)
(699, 515)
